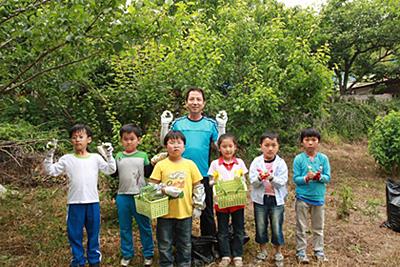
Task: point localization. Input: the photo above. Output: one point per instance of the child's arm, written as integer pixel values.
(280, 177)
(326, 171)
(298, 177)
(54, 169)
(108, 167)
(166, 118)
(254, 175)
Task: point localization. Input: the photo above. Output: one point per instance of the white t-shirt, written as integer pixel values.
(83, 174)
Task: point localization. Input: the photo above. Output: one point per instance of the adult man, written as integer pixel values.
(200, 133)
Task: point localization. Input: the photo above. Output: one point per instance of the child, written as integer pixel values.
(83, 210)
(226, 168)
(177, 174)
(268, 178)
(311, 172)
(132, 167)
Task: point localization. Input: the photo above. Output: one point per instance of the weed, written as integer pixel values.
(346, 198)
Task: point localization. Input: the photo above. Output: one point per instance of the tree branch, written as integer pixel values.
(9, 86)
(47, 70)
(22, 10)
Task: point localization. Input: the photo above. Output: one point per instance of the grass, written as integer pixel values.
(33, 228)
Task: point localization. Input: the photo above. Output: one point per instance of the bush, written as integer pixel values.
(384, 142)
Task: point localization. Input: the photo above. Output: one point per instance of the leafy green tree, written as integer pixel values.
(384, 143)
(364, 38)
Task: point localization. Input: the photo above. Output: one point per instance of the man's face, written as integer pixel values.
(195, 102)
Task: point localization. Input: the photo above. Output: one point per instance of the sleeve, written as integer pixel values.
(214, 132)
(253, 175)
(157, 173)
(281, 176)
(211, 170)
(298, 176)
(107, 167)
(196, 175)
(54, 169)
(326, 171)
(243, 166)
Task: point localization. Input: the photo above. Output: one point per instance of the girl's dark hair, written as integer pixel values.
(309, 132)
(131, 128)
(197, 89)
(270, 135)
(78, 128)
(174, 135)
(227, 136)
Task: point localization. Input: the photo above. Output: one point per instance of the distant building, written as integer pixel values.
(380, 91)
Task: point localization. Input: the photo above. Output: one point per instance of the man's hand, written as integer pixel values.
(166, 117)
(196, 213)
(222, 119)
(158, 157)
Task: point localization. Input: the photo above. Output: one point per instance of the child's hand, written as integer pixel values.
(158, 157)
(263, 175)
(166, 117)
(173, 191)
(221, 118)
(51, 145)
(105, 149)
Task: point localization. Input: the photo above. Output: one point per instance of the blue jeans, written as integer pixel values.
(226, 248)
(88, 216)
(178, 232)
(269, 213)
(126, 210)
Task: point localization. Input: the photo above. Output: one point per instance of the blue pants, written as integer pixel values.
(236, 246)
(126, 210)
(88, 216)
(269, 213)
(176, 232)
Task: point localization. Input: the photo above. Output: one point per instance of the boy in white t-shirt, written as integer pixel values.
(83, 209)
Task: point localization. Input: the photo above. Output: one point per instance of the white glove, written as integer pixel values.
(173, 191)
(166, 117)
(196, 213)
(158, 157)
(199, 197)
(105, 149)
(221, 118)
(157, 187)
(51, 145)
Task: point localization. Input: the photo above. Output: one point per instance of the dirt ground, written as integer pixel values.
(33, 221)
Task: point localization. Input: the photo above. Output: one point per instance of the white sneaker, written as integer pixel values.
(125, 262)
(148, 261)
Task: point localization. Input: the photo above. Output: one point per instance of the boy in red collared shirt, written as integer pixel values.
(226, 168)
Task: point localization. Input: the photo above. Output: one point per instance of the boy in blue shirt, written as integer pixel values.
(311, 173)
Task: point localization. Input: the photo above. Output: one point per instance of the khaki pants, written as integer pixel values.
(317, 214)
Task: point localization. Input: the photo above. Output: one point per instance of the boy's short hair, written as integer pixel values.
(196, 89)
(309, 132)
(131, 128)
(174, 135)
(270, 135)
(80, 127)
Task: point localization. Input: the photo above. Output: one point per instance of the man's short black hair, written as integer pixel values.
(131, 128)
(309, 132)
(174, 135)
(270, 135)
(80, 127)
(196, 89)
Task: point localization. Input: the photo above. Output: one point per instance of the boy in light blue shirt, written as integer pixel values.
(311, 173)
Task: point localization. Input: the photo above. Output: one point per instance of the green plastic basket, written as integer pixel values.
(230, 193)
(152, 209)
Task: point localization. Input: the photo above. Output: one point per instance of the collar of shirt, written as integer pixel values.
(227, 165)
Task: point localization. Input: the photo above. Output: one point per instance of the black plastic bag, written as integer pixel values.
(393, 205)
(203, 250)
